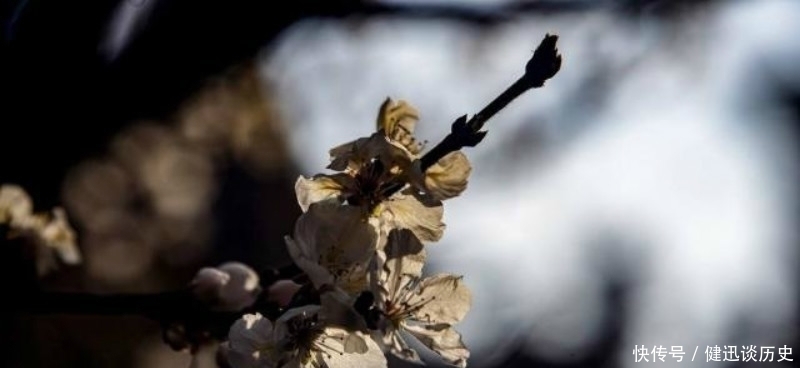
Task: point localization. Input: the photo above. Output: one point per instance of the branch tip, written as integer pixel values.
(544, 64)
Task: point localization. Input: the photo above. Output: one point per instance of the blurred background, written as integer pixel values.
(647, 195)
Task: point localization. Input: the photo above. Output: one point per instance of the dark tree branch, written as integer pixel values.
(543, 65)
(186, 320)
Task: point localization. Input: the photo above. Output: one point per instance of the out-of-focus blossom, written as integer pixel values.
(160, 180)
(51, 233)
(15, 205)
(175, 182)
(424, 307)
(230, 287)
(59, 235)
(234, 116)
(154, 204)
(301, 337)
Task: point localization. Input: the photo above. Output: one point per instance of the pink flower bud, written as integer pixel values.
(282, 291)
(232, 286)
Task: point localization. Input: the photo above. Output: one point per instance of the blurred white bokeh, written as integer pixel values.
(656, 157)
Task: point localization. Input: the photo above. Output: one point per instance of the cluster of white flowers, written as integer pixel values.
(49, 232)
(361, 242)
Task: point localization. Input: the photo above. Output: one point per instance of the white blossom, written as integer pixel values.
(359, 241)
(371, 168)
(426, 308)
(301, 337)
(333, 244)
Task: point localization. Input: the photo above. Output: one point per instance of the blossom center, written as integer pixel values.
(302, 333)
(371, 182)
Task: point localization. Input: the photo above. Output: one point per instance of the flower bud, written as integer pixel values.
(282, 291)
(231, 287)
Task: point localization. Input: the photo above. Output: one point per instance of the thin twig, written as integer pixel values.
(543, 65)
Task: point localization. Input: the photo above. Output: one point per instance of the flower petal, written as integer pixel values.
(405, 252)
(443, 340)
(406, 211)
(353, 156)
(404, 259)
(337, 310)
(444, 299)
(250, 341)
(447, 178)
(398, 346)
(348, 349)
(305, 257)
(346, 156)
(398, 120)
(321, 187)
(336, 237)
